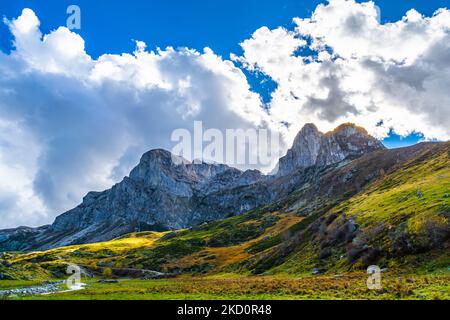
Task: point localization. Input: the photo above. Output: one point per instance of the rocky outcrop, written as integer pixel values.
(165, 192)
(346, 142)
(313, 148)
(304, 152)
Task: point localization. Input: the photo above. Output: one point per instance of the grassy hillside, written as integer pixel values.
(208, 248)
(399, 221)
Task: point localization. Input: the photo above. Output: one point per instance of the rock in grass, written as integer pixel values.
(317, 271)
(107, 281)
(419, 194)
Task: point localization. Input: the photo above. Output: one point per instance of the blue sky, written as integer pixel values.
(110, 26)
(221, 25)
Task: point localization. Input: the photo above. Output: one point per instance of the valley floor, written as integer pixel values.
(349, 286)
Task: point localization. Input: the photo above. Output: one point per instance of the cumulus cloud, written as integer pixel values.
(342, 64)
(70, 123)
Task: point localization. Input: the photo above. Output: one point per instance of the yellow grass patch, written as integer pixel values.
(225, 256)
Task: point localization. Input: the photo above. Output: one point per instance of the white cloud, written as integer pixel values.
(17, 151)
(354, 68)
(61, 51)
(71, 123)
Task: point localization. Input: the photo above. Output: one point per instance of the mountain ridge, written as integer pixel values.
(389, 208)
(161, 195)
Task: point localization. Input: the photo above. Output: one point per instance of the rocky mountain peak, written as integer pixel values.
(313, 148)
(304, 151)
(347, 141)
(349, 129)
(308, 129)
(161, 157)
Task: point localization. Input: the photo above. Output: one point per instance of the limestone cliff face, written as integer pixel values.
(346, 142)
(304, 152)
(313, 148)
(163, 194)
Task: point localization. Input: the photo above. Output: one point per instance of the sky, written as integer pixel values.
(79, 107)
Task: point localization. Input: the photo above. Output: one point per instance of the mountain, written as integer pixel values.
(162, 194)
(313, 148)
(159, 194)
(390, 208)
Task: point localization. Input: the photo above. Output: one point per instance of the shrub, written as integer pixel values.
(107, 272)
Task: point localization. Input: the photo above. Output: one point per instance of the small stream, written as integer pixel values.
(47, 288)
